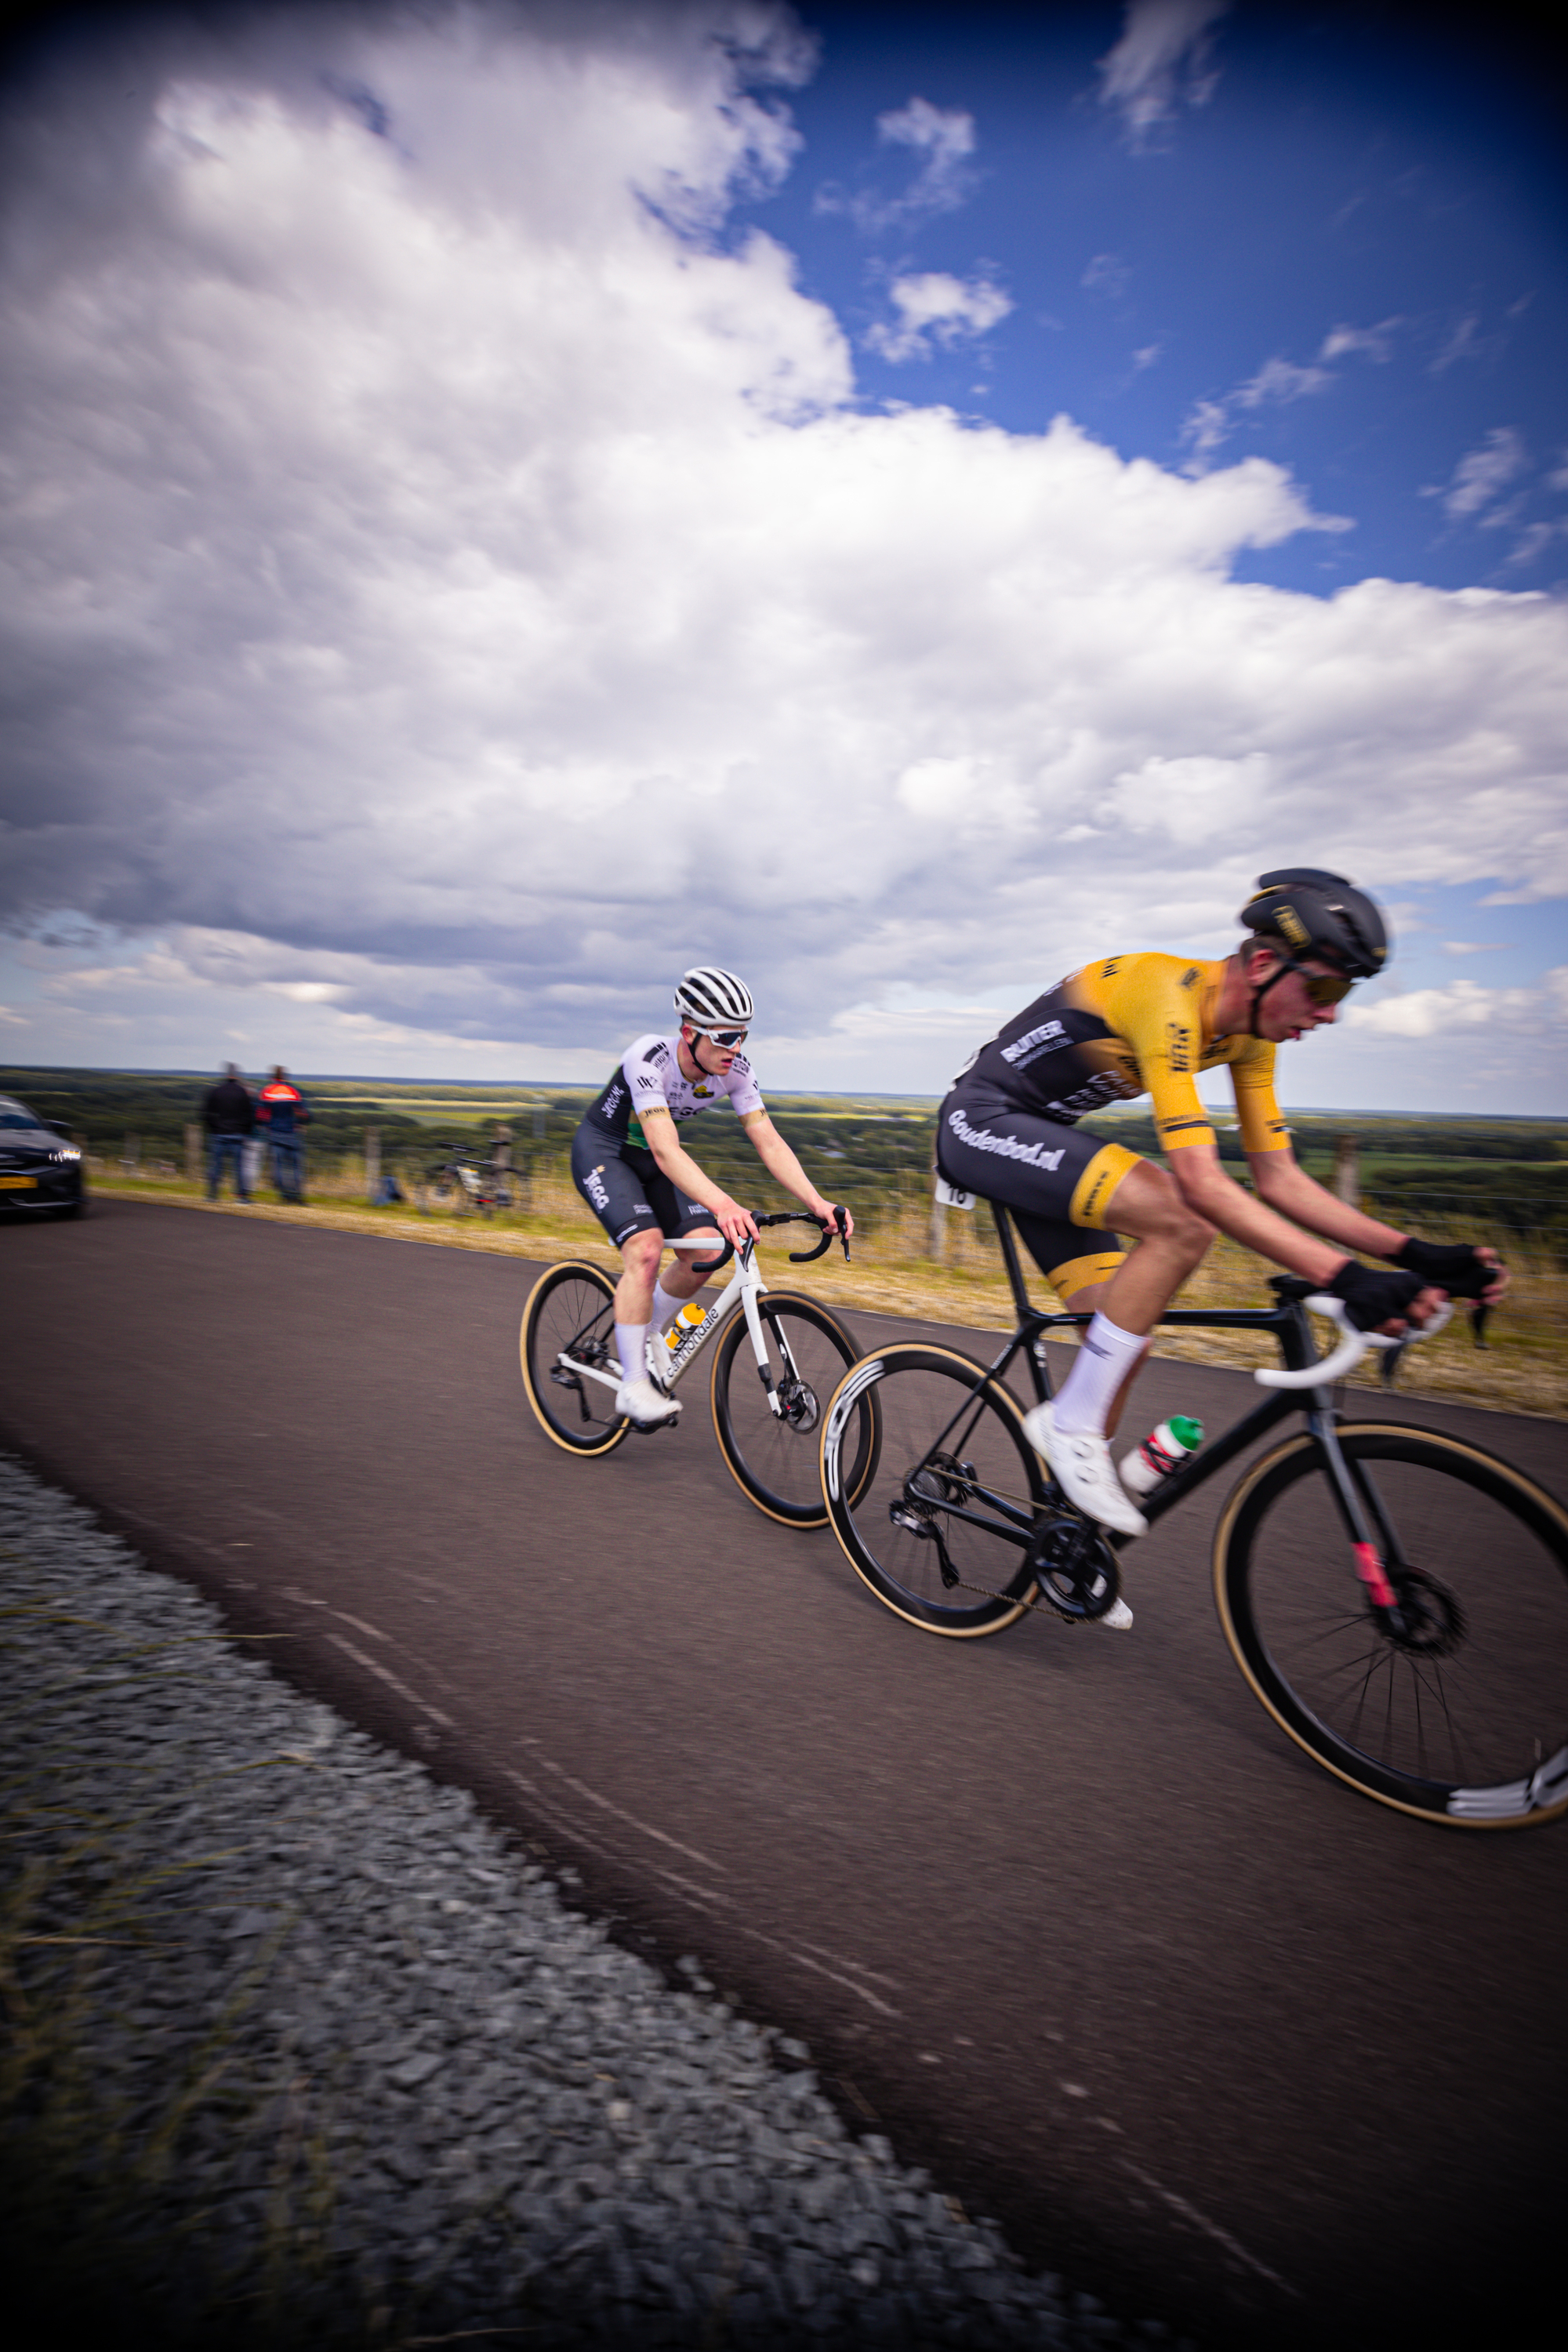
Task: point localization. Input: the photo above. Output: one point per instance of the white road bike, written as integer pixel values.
(777, 1361)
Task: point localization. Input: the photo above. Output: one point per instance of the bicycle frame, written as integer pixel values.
(744, 1288)
(1356, 1496)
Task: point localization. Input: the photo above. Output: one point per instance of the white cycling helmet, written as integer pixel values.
(712, 999)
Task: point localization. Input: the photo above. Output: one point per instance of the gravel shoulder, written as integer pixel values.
(301, 2048)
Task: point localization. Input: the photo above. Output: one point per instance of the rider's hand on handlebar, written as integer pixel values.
(827, 1216)
(1458, 1269)
(1388, 1303)
(736, 1224)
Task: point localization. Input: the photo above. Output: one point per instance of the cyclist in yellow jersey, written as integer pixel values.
(1130, 1025)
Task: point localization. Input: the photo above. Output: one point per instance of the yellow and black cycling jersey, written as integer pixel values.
(1127, 1025)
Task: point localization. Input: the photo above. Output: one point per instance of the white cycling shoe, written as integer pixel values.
(642, 1403)
(1083, 1469)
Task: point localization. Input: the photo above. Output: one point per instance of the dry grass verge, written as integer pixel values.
(1523, 1367)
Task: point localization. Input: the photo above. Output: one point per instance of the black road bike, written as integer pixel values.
(1397, 1599)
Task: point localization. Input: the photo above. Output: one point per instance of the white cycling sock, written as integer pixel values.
(1105, 1356)
(631, 1342)
(665, 1307)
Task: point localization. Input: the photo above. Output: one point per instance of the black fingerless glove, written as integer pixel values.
(1453, 1266)
(1372, 1299)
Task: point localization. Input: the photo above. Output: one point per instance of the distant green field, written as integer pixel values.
(874, 1150)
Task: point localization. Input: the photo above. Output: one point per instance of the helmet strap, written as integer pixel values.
(1261, 991)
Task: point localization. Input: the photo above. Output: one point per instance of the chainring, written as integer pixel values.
(1075, 1569)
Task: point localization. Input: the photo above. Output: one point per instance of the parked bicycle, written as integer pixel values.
(777, 1361)
(467, 1185)
(1397, 1599)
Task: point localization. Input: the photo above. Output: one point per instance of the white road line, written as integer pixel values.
(840, 1962)
(373, 1666)
(360, 1626)
(645, 1828)
(701, 1898)
(1210, 2229)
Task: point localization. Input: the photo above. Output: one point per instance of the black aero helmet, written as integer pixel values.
(1300, 910)
(713, 999)
(1311, 913)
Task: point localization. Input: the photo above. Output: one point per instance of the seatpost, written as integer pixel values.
(1010, 1259)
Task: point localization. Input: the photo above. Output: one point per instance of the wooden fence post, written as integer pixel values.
(193, 1155)
(936, 1248)
(1346, 1180)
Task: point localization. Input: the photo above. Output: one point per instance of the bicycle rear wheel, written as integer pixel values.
(1459, 1715)
(569, 1333)
(772, 1458)
(443, 1188)
(955, 1480)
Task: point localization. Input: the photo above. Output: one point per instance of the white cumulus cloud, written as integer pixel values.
(943, 139)
(1483, 472)
(932, 306)
(1463, 1004)
(1161, 61)
(449, 585)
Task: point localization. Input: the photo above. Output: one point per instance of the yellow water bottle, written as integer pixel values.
(685, 1323)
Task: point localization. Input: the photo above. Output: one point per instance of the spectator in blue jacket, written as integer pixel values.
(285, 1114)
(228, 1115)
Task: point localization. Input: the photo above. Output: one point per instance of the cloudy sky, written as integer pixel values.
(507, 500)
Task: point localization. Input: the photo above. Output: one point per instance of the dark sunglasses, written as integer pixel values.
(724, 1037)
(1323, 987)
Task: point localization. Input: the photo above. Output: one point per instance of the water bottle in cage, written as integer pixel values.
(1164, 1450)
(684, 1325)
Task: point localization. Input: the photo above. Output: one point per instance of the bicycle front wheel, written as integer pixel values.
(568, 1336)
(1460, 1712)
(772, 1458)
(940, 1527)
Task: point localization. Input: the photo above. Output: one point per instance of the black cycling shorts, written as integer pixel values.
(628, 1192)
(1058, 1182)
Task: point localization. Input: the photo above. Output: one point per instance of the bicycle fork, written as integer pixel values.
(775, 1392)
(1369, 1553)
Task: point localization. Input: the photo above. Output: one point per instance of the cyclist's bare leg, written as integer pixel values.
(639, 1264)
(677, 1281)
(1171, 1244)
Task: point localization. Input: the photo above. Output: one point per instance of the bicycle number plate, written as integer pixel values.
(950, 1197)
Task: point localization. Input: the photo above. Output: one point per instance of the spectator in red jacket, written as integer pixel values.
(284, 1113)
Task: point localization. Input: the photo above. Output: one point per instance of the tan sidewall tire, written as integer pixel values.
(622, 1429)
(1009, 1615)
(1304, 1442)
(726, 1348)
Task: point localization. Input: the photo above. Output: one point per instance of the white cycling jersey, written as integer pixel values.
(650, 1078)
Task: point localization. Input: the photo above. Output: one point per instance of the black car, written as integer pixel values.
(40, 1167)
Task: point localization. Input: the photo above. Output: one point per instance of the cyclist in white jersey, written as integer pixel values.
(629, 1166)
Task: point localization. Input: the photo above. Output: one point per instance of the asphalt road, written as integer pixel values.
(1060, 1912)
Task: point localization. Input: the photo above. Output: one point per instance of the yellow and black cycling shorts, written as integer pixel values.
(1058, 1182)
